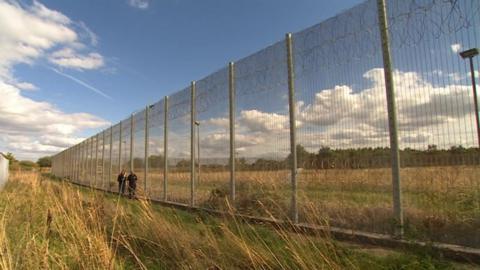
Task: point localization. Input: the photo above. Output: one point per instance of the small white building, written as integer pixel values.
(3, 170)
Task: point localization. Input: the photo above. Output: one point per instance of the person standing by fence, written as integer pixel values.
(121, 179)
(132, 184)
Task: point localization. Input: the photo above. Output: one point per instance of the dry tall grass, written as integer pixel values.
(440, 203)
(53, 224)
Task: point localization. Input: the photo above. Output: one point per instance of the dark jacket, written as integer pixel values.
(121, 178)
(132, 180)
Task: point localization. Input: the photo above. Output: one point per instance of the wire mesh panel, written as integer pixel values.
(106, 160)
(88, 161)
(98, 168)
(212, 140)
(125, 145)
(156, 152)
(436, 115)
(81, 156)
(93, 162)
(179, 146)
(342, 142)
(262, 132)
(115, 157)
(139, 148)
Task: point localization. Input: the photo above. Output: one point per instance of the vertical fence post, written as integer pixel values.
(131, 141)
(91, 161)
(95, 168)
(192, 144)
(111, 159)
(165, 148)
(146, 151)
(120, 166)
(85, 158)
(74, 163)
(103, 160)
(82, 161)
(293, 128)
(392, 118)
(231, 103)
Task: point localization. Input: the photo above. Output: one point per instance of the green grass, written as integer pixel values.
(48, 223)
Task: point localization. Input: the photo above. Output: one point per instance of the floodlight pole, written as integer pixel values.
(474, 52)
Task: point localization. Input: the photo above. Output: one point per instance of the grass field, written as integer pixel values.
(48, 223)
(440, 203)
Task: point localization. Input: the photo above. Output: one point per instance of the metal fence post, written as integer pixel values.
(293, 128)
(231, 103)
(120, 167)
(103, 160)
(392, 118)
(85, 156)
(82, 160)
(146, 151)
(192, 144)
(95, 168)
(165, 148)
(74, 163)
(131, 142)
(91, 161)
(111, 157)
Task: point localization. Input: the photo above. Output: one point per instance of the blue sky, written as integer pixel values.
(158, 50)
(109, 58)
(69, 69)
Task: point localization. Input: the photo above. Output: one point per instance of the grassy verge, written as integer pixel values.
(53, 224)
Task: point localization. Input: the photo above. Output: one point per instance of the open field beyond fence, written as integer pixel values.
(441, 203)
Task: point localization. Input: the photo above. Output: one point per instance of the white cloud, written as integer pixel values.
(30, 128)
(456, 47)
(69, 58)
(141, 4)
(258, 121)
(26, 86)
(340, 117)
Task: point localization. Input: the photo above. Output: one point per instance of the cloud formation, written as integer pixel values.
(68, 58)
(340, 117)
(30, 128)
(140, 4)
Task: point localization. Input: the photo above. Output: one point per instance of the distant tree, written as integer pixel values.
(45, 162)
(304, 158)
(28, 164)
(183, 164)
(138, 163)
(11, 158)
(155, 161)
(432, 147)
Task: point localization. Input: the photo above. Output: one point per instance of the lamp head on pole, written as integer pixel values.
(469, 53)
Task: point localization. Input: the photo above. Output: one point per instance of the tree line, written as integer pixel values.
(352, 158)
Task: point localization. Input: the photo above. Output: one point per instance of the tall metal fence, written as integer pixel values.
(366, 121)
